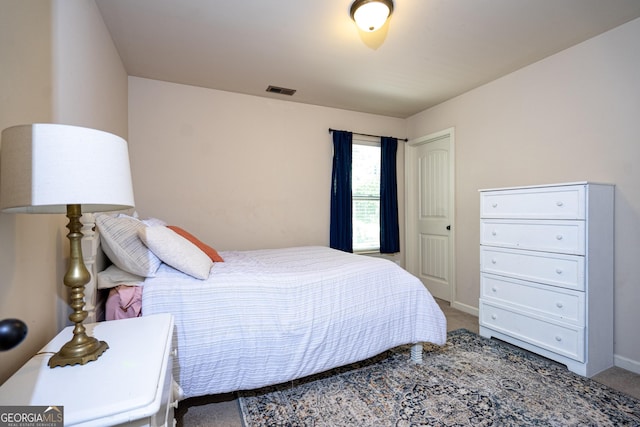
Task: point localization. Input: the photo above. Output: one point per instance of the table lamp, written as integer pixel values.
(53, 169)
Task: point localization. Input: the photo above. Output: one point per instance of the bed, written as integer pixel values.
(248, 319)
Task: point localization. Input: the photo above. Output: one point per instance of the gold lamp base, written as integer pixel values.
(72, 354)
(81, 348)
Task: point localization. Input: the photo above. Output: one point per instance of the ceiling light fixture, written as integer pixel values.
(370, 15)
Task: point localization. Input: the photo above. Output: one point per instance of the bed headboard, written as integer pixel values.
(95, 260)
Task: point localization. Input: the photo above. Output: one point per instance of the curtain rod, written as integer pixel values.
(366, 134)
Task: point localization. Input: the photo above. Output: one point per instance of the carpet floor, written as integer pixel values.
(471, 381)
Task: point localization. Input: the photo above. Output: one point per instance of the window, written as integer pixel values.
(365, 177)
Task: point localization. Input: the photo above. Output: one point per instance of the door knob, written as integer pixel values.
(448, 227)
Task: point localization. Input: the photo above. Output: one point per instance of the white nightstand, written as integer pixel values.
(130, 384)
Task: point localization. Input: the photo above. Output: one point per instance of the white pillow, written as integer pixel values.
(176, 251)
(120, 242)
(113, 276)
(150, 222)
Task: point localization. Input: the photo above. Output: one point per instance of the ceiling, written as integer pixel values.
(428, 52)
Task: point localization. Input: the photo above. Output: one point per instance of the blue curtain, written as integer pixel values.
(389, 228)
(341, 228)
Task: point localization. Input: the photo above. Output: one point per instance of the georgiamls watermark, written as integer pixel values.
(31, 416)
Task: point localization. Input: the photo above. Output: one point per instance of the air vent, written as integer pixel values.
(281, 90)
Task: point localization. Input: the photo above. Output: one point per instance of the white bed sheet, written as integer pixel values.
(269, 316)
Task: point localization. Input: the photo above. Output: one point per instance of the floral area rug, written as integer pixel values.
(470, 381)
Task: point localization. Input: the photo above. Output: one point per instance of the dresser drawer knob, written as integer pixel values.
(494, 317)
(559, 237)
(559, 203)
(559, 270)
(558, 338)
(494, 205)
(559, 304)
(494, 261)
(494, 233)
(494, 289)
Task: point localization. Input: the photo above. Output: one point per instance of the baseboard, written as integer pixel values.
(465, 308)
(625, 363)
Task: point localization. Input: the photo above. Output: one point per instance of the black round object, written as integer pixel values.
(12, 332)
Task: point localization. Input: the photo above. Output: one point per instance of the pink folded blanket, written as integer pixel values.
(124, 302)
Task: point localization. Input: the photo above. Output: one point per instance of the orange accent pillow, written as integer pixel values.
(211, 253)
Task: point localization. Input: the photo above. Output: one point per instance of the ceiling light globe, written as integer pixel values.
(370, 15)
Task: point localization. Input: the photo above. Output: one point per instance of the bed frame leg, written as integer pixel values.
(416, 353)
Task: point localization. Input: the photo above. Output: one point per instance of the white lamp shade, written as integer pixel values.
(371, 16)
(45, 167)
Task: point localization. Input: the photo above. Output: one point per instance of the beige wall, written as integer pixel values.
(574, 116)
(44, 46)
(26, 292)
(90, 82)
(240, 172)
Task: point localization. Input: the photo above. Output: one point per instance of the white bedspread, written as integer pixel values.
(269, 316)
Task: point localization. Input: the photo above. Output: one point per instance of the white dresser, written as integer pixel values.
(546, 271)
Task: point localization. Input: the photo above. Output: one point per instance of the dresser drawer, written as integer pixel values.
(560, 338)
(560, 304)
(565, 237)
(554, 269)
(562, 202)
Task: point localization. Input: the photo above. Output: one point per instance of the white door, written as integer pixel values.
(430, 212)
